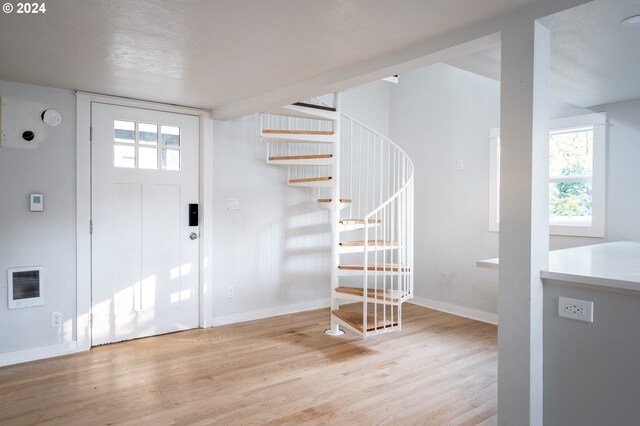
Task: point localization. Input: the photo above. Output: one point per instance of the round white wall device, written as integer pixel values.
(51, 117)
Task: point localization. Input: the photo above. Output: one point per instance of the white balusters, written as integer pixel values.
(380, 181)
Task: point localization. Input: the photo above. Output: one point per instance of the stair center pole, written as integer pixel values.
(335, 217)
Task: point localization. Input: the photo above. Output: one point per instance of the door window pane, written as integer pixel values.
(124, 131)
(171, 136)
(148, 158)
(143, 151)
(148, 134)
(170, 159)
(124, 156)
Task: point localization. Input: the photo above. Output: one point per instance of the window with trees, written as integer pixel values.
(577, 150)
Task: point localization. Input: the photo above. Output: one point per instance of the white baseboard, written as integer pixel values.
(26, 355)
(461, 311)
(271, 312)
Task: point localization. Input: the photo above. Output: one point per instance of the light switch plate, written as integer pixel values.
(36, 202)
(233, 204)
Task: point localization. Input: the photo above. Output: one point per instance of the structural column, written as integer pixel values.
(524, 225)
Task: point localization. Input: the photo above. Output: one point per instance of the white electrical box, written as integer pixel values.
(21, 123)
(25, 287)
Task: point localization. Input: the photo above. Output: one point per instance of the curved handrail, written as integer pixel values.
(359, 123)
(411, 175)
(391, 198)
(392, 143)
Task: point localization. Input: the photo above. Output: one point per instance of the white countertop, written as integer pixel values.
(615, 265)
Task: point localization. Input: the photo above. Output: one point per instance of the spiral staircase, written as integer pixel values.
(366, 182)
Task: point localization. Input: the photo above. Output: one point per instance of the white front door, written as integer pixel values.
(144, 253)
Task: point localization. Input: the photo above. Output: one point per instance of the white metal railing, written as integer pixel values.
(378, 176)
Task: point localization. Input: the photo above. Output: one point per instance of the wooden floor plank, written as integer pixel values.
(440, 369)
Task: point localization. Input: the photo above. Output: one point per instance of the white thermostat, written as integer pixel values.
(25, 287)
(36, 202)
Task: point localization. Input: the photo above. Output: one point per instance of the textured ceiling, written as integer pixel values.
(594, 59)
(209, 53)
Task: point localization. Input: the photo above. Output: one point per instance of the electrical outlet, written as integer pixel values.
(581, 310)
(56, 319)
(460, 164)
(230, 291)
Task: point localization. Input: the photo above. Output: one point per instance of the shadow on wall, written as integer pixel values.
(307, 250)
(294, 255)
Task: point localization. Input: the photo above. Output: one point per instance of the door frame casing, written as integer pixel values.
(83, 206)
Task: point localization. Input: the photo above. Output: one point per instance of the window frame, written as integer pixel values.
(598, 121)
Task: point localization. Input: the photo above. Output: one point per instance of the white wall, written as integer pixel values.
(441, 114)
(623, 173)
(47, 238)
(369, 104)
(276, 250)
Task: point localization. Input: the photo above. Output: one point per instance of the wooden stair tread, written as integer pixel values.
(354, 319)
(379, 267)
(298, 132)
(357, 221)
(313, 179)
(370, 243)
(301, 157)
(328, 200)
(380, 294)
(306, 105)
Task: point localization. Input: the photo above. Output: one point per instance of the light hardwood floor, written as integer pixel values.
(439, 370)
